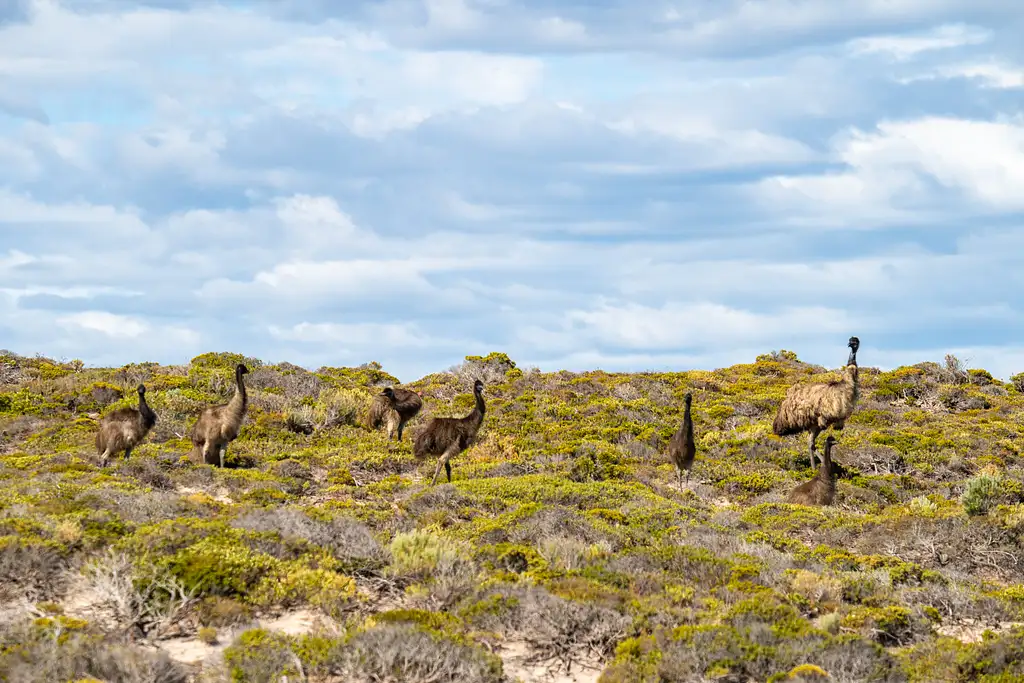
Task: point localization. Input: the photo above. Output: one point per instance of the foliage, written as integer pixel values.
(563, 533)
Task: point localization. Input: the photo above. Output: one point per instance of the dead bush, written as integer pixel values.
(30, 570)
(146, 472)
(396, 652)
(349, 540)
(855, 660)
(56, 650)
(567, 632)
(490, 369)
(142, 601)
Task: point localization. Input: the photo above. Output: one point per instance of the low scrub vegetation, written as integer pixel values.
(563, 538)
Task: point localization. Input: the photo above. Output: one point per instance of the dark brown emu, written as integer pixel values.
(681, 448)
(449, 436)
(394, 407)
(821, 489)
(124, 429)
(217, 426)
(818, 406)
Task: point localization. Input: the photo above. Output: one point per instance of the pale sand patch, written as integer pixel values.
(515, 655)
(220, 495)
(192, 651)
(970, 630)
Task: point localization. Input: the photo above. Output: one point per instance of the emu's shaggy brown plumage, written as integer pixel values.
(218, 425)
(821, 489)
(124, 429)
(816, 407)
(449, 436)
(394, 407)
(681, 448)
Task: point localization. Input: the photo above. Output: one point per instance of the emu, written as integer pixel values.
(681, 447)
(821, 489)
(820, 405)
(124, 429)
(449, 436)
(395, 407)
(218, 425)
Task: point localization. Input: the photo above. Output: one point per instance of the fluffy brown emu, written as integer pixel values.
(394, 407)
(681, 448)
(218, 425)
(821, 489)
(818, 406)
(449, 436)
(124, 429)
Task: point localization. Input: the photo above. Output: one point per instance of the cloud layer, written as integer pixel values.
(621, 185)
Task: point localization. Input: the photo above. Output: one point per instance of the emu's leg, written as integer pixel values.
(392, 427)
(127, 452)
(105, 457)
(443, 460)
(401, 426)
(223, 454)
(814, 437)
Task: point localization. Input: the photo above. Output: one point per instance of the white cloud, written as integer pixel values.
(398, 335)
(105, 323)
(559, 30)
(891, 168)
(991, 74)
(327, 278)
(22, 209)
(905, 46)
(702, 324)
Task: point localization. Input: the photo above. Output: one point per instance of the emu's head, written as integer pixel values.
(478, 387)
(389, 392)
(830, 441)
(688, 397)
(854, 344)
(241, 369)
(141, 389)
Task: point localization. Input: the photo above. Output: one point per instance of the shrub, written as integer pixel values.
(61, 649)
(395, 652)
(980, 494)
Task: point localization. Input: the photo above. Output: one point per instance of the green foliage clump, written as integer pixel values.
(300, 585)
(367, 375)
(419, 552)
(980, 494)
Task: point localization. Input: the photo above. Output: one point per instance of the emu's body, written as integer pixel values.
(394, 407)
(218, 425)
(681, 447)
(449, 436)
(124, 429)
(818, 406)
(821, 489)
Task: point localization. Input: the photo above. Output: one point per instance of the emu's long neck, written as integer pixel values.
(145, 412)
(478, 410)
(687, 423)
(240, 401)
(825, 470)
(850, 374)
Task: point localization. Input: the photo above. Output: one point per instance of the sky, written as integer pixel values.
(582, 184)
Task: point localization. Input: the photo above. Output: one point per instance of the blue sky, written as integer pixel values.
(624, 185)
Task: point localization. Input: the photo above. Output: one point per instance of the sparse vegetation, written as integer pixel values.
(564, 541)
